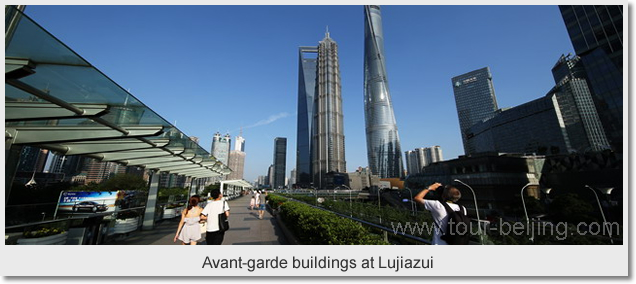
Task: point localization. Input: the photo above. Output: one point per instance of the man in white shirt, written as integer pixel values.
(450, 195)
(211, 213)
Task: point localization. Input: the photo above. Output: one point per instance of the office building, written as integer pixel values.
(239, 144)
(32, 159)
(236, 164)
(97, 171)
(475, 100)
(292, 179)
(383, 142)
(221, 147)
(237, 159)
(280, 160)
(67, 165)
(307, 60)
(421, 157)
(563, 121)
(327, 144)
(496, 179)
(596, 33)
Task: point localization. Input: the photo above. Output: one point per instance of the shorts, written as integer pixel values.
(261, 207)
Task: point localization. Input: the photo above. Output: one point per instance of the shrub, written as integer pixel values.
(275, 201)
(318, 227)
(127, 214)
(43, 232)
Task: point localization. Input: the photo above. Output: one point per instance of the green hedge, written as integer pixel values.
(318, 227)
(275, 201)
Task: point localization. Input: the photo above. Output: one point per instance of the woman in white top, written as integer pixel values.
(211, 212)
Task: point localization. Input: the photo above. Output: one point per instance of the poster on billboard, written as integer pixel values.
(74, 202)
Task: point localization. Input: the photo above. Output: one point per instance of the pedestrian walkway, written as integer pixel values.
(245, 229)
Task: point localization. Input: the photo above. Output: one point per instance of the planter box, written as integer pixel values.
(169, 213)
(125, 226)
(59, 239)
(289, 236)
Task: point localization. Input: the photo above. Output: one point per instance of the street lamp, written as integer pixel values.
(379, 208)
(606, 191)
(481, 237)
(525, 210)
(350, 205)
(412, 203)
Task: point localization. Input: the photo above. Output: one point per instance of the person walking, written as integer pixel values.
(210, 213)
(262, 198)
(253, 201)
(189, 231)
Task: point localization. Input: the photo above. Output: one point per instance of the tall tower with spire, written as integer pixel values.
(327, 145)
(383, 143)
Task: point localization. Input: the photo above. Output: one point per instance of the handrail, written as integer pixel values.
(74, 217)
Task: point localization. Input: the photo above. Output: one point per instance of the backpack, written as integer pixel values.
(458, 228)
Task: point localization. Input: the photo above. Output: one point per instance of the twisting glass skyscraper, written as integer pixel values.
(383, 142)
(327, 147)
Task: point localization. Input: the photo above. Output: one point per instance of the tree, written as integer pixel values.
(209, 188)
(571, 208)
(124, 182)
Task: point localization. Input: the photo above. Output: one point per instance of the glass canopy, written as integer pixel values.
(56, 100)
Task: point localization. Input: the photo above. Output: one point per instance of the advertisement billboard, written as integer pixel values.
(72, 202)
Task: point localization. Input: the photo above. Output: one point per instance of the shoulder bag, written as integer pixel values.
(224, 223)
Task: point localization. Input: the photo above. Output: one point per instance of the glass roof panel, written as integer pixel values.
(63, 74)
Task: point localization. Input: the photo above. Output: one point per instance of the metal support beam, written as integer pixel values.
(23, 111)
(103, 147)
(11, 161)
(134, 154)
(151, 203)
(42, 95)
(61, 134)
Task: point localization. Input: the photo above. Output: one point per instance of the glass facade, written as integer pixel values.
(596, 33)
(306, 89)
(221, 147)
(383, 142)
(562, 122)
(475, 100)
(327, 145)
(280, 158)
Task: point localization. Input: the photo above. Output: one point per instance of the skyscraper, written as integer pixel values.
(280, 159)
(221, 147)
(237, 159)
(475, 100)
(563, 121)
(421, 157)
(596, 33)
(327, 145)
(383, 143)
(239, 144)
(306, 91)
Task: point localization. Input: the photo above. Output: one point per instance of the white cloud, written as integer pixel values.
(269, 120)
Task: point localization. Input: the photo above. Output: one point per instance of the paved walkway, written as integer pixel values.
(245, 229)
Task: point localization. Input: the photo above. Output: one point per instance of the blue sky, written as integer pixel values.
(220, 68)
